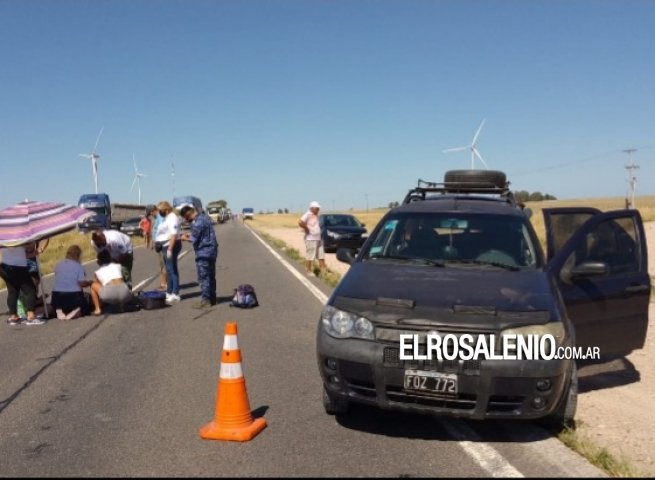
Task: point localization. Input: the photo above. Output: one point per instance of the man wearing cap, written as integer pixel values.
(205, 244)
(313, 241)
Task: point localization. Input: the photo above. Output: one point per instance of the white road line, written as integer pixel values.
(150, 279)
(143, 282)
(487, 457)
(310, 286)
(484, 454)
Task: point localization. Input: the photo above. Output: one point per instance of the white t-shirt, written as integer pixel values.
(108, 273)
(170, 226)
(14, 256)
(117, 243)
(313, 225)
(67, 275)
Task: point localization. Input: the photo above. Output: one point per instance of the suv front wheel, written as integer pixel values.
(564, 415)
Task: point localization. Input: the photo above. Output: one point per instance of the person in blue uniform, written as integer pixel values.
(205, 246)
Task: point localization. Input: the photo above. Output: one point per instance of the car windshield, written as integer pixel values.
(340, 221)
(455, 240)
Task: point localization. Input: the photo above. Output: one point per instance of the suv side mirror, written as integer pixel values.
(346, 255)
(590, 269)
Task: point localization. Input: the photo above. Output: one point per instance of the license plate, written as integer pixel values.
(431, 382)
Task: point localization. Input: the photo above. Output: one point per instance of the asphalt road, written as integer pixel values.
(125, 394)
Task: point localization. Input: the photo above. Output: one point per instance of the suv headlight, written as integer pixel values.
(340, 324)
(332, 234)
(555, 329)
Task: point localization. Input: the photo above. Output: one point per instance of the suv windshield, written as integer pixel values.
(456, 239)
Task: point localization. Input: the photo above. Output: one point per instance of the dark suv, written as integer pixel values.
(461, 258)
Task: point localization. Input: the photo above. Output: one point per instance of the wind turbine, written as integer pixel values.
(94, 160)
(472, 147)
(137, 178)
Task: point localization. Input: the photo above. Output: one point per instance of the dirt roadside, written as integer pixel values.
(614, 400)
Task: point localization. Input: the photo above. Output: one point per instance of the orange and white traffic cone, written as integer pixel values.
(233, 419)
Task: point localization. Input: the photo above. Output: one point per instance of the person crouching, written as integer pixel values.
(109, 286)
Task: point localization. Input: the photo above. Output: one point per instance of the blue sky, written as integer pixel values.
(272, 104)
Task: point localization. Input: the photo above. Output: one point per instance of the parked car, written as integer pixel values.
(131, 227)
(461, 257)
(341, 230)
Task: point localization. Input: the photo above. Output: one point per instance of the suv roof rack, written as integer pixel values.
(419, 193)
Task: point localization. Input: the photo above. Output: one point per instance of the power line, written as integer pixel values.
(606, 155)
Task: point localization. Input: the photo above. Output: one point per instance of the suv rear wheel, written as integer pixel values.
(334, 404)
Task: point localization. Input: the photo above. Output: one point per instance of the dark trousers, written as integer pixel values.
(126, 267)
(206, 269)
(18, 280)
(69, 301)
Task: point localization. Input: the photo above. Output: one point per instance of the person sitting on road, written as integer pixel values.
(109, 285)
(68, 298)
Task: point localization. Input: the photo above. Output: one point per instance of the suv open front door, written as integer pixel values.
(599, 261)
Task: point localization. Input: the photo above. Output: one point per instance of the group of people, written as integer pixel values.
(168, 241)
(112, 281)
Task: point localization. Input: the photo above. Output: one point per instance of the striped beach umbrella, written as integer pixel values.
(30, 221)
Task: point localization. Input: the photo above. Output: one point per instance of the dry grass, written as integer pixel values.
(57, 247)
(290, 220)
(614, 466)
(645, 204)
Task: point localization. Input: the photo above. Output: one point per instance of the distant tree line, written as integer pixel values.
(525, 196)
(270, 212)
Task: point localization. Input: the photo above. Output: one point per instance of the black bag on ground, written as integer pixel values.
(244, 297)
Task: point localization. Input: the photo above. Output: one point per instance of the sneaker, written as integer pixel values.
(172, 298)
(34, 321)
(15, 321)
(202, 304)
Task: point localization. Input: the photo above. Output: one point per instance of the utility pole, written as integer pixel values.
(632, 179)
(366, 195)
